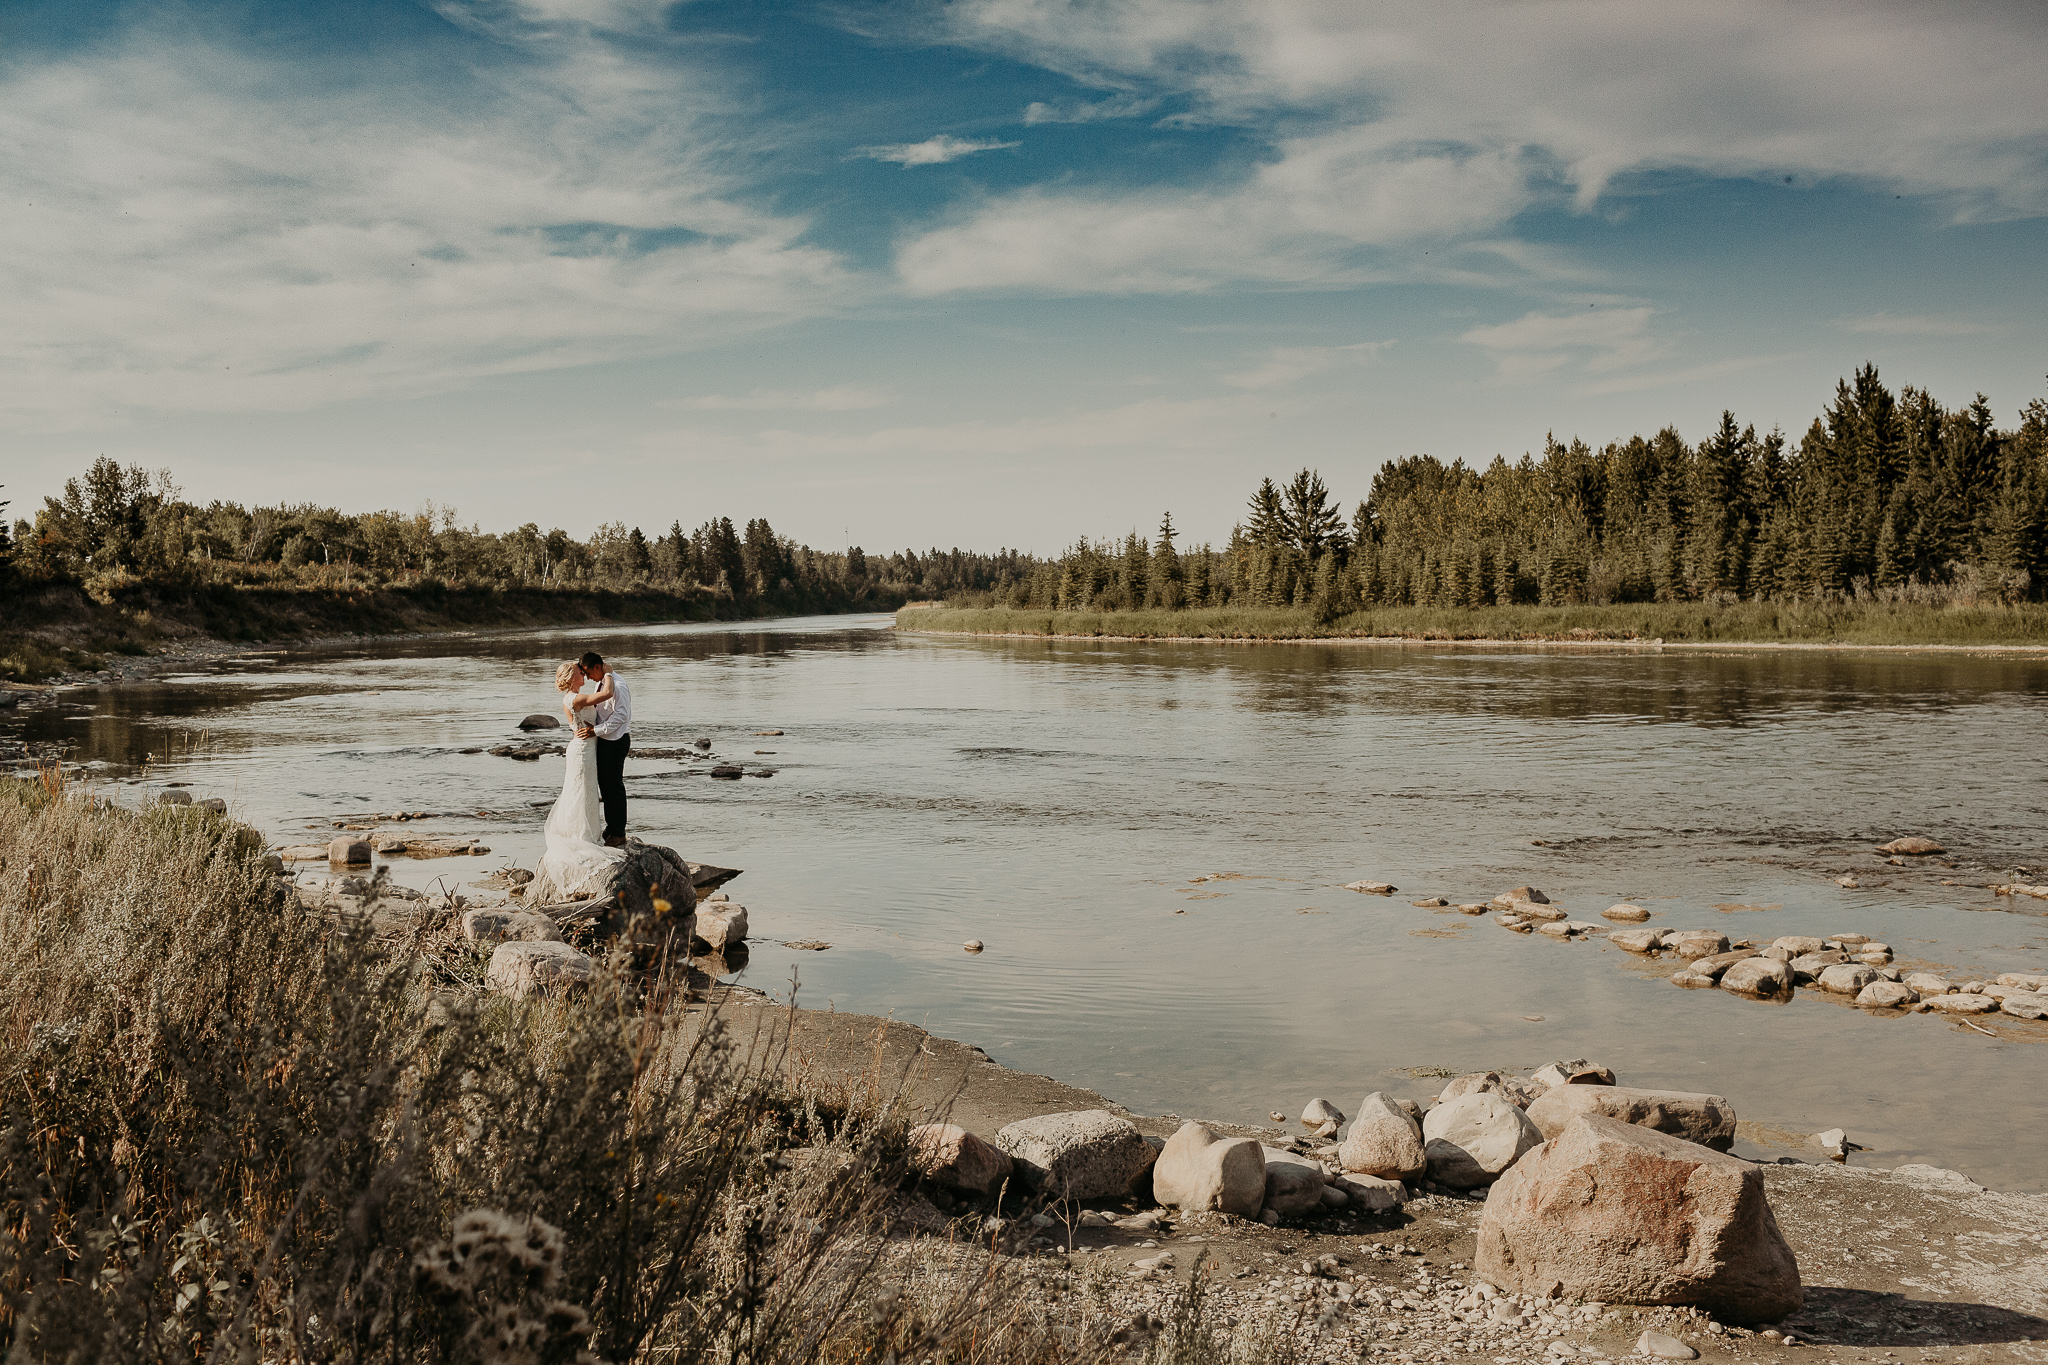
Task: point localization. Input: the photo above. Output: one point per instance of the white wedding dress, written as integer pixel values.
(576, 860)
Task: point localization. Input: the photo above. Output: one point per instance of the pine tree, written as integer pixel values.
(1165, 584)
(1309, 519)
(1268, 522)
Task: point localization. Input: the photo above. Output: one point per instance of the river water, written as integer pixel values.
(1059, 799)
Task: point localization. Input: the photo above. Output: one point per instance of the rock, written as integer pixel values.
(1322, 1116)
(1471, 1140)
(973, 945)
(509, 926)
(2025, 1005)
(214, 804)
(949, 1155)
(1878, 959)
(1960, 1004)
(1686, 976)
(1665, 1347)
(1613, 1212)
(523, 969)
(1637, 940)
(1514, 922)
(1429, 902)
(1845, 979)
(1474, 909)
(1912, 846)
(1084, 1154)
(1480, 1082)
(1927, 983)
(1885, 994)
(1537, 910)
(1372, 888)
(1294, 1184)
(1521, 893)
(1696, 943)
(1850, 941)
(174, 797)
(1712, 967)
(2026, 981)
(1799, 944)
(622, 902)
(347, 851)
(1834, 1142)
(1625, 911)
(1370, 1193)
(1559, 930)
(1578, 1072)
(540, 720)
(1199, 1170)
(1809, 966)
(518, 876)
(718, 925)
(1708, 1120)
(1385, 1141)
(1334, 1198)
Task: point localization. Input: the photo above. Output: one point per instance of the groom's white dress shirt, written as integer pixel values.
(615, 717)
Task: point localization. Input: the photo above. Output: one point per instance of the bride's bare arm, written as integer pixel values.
(604, 693)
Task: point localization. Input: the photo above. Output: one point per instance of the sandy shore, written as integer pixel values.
(1903, 1267)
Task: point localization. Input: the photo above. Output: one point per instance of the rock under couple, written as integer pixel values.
(586, 831)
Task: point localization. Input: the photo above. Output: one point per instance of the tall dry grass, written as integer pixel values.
(1862, 622)
(231, 1130)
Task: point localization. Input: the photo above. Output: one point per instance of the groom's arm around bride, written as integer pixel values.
(614, 739)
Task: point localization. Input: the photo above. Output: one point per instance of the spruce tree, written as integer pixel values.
(1164, 586)
(1309, 519)
(1267, 524)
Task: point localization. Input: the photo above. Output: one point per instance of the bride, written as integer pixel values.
(577, 860)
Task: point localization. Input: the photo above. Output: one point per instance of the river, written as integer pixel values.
(1059, 800)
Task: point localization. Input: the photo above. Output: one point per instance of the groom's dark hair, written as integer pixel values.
(592, 660)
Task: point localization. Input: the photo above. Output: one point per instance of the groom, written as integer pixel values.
(614, 742)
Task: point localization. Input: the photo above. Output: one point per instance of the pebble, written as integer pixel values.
(973, 945)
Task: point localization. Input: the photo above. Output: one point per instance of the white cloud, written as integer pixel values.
(1440, 120)
(210, 231)
(1914, 325)
(1286, 365)
(935, 151)
(1085, 111)
(1601, 339)
(839, 398)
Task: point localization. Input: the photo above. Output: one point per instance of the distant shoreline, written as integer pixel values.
(1486, 642)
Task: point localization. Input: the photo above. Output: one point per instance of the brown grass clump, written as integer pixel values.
(234, 1131)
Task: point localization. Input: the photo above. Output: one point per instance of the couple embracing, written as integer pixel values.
(586, 831)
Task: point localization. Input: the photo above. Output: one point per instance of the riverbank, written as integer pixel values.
(59, 633)
(1818, 625)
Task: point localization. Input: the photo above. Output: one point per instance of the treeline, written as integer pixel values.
(115, 527)
(1884, 496)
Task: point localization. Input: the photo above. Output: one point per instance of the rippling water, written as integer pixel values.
(1057, 799)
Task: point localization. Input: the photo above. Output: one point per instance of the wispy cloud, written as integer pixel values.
(1285, 365)
(211, 231)
(1086, 111)
(1691, 374)
(1914, 325)
(935, 151)
(839, 398)
(1538, 343)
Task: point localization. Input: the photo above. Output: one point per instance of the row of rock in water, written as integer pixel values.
(1593, 1190)
(1845, 964)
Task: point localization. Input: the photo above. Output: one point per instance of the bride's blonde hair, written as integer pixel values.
(565, 676)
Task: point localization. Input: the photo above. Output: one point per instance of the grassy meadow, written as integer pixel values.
(1840, 622)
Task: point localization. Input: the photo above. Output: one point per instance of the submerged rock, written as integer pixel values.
(540, 720)
(1627, 912)
(1616, 1213)
(1912, 846)
(1521, 893)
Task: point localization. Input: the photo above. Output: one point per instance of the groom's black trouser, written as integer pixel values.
(611, 783)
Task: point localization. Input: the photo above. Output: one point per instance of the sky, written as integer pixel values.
(986, 272)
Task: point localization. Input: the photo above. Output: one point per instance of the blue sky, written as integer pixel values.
(986, 272)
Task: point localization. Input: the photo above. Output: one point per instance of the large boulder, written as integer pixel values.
(1084, 1154)
(949, 1155)
(1706, 1119)
(1293, 1184)
(509, 926)
(624, 905)
(521, 969)
(1612, 1212)
(540, 720)
(1199, 1170)
(349, 851)
(718, 925)
(1764, 977)
(1471, 1140)
(1384, 1141)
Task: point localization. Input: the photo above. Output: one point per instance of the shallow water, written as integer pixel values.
(1056, 799)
